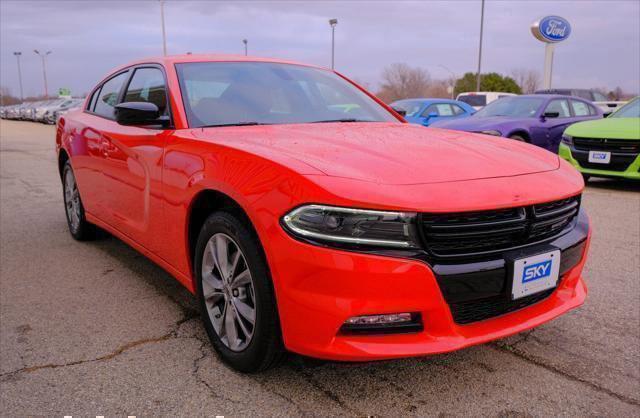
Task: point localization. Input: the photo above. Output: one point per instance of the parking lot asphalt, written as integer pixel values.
(95, 328)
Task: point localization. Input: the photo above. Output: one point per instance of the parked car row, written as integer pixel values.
(45, 111)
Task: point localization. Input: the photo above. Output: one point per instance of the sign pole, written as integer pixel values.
(548, 64)
(550, 30)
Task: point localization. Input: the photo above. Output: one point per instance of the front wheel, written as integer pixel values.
(518, 138)
(79, 228)
(236, 295)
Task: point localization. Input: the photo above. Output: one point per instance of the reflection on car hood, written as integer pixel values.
(389, 153)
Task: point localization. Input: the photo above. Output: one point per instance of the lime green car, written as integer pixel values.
(606, 147)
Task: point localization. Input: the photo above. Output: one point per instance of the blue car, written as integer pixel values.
(426, 111)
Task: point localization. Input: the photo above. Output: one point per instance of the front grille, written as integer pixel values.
(478, 233)
(478, 310)
(619, 162)
(601, 144)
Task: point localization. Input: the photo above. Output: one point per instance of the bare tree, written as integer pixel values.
(528, 80)
(400, 81)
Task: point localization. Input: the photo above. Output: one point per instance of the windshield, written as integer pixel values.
(252, 93)
(412, 107)
(630, 110)
(516, 107)
(474, 99)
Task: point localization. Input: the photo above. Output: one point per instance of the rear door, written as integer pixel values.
(555, 126)
(133, 154)
(88, 152)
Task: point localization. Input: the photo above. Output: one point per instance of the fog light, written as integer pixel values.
(379, 319)
(383, 324)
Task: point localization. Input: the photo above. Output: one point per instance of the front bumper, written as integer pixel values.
(626, 165)
(319, 288)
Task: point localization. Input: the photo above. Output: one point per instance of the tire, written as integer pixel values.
(79, 228)
(518, 137)
(226, 299)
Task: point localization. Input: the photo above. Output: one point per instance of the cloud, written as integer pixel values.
(91, 37)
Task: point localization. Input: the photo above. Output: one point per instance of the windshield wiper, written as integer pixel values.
(340, 120)
(234, 124)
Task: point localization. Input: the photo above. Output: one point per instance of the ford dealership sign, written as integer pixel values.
(551, 29)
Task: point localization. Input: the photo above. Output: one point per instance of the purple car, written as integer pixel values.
(537, 119)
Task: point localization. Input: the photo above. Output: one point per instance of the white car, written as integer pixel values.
(479, 99)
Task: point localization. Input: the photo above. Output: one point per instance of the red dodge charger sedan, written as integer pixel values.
(307, 216)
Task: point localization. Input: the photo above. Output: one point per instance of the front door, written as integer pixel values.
(133, 174)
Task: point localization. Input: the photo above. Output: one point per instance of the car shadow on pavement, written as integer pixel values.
(614, 184)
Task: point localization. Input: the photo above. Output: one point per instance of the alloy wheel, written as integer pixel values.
(72, 200)
(228, 292)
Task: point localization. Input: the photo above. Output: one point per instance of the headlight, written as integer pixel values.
(492, 132)
(567, 139)
(352, 227)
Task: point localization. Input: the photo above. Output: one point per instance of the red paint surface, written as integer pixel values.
(139, 184)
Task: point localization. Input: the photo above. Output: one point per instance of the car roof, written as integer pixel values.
(170, 60)
(553, 96)
(428, 99)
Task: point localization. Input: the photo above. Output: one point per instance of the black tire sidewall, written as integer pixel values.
(85, 229)
(266, 338)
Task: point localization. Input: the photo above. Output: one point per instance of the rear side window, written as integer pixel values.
(147, 85)
(108, 96)
(580, 108)
(559, 105)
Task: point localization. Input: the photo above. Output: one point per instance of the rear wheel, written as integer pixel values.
(236, 295)
(79, 228)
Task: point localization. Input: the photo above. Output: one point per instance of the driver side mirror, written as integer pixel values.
(550, 115)
(140, 114)
(432, 115)
(399, 111)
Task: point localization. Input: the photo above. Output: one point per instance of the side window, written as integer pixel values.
(457, 110)
(433, 108)
(94, 98)
(592, 110)
(559, 105)
(147, 85)
(580, 108)
(108, 96)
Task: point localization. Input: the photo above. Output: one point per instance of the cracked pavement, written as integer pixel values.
(95, 328)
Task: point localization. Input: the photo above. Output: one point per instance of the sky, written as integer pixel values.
(89, 38)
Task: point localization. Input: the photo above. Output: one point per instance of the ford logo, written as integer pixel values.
(551, 29)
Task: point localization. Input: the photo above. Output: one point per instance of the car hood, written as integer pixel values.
(389, 153)
(477, 124)
(613, 128)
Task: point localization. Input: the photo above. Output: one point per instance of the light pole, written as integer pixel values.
(453, 77)
(164, 34)
(44, 70)
(480, 49)
(246, 48)
(18, 54)
(333, 23)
